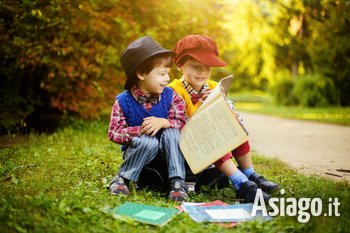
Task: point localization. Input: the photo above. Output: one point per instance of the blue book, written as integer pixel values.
(222, 213)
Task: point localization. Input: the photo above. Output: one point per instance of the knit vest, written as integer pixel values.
(181, 91)
(135, 113)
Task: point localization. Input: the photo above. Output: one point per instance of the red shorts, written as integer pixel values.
(239, 151)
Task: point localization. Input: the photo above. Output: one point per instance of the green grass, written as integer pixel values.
(57, 183)
(258, 102)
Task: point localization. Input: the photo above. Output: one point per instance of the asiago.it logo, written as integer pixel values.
(304, 208)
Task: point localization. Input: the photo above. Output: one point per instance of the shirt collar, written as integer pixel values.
(190, 89)
(136, 92)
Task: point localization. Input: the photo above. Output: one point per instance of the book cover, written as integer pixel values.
(223, 213)
(153, 215)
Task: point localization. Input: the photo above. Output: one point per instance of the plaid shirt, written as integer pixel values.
(119, 131)
(190, 89)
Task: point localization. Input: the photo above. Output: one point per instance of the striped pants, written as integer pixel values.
(145, 148)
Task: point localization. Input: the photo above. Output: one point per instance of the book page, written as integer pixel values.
(228, 214)
(225, 84)
(217, 92)
(210, 134)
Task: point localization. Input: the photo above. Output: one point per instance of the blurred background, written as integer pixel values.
(60, 58)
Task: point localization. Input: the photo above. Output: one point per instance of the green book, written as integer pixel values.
(153, 215)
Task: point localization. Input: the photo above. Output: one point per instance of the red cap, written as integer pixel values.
(201, 48)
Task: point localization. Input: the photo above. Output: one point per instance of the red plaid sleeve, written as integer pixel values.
(177, 115)
(119, 131)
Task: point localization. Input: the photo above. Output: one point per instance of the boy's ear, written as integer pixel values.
(140, 76)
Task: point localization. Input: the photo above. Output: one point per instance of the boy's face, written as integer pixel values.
(155, 81)
(195, 73)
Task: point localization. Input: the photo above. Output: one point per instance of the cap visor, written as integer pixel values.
(208, 59)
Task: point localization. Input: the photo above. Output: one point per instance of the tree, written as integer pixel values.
(320, 42)
(62, 57)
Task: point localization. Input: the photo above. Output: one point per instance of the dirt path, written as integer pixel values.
(310, 147)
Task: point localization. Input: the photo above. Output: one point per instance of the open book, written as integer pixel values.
(212, 131)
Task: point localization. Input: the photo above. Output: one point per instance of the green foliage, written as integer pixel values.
(328, 23)
(310, 90)
(311, 37)
(57, 183)
(62, 57)
(314, 90)
(12, 116)
(282, 92)
(55, 56)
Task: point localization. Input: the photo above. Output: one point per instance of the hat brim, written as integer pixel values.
(131, 81)
(207, 58)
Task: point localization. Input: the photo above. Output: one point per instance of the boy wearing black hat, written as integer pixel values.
(147, 117)
(195, 55)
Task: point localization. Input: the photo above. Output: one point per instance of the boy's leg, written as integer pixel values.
(169, 144)
(142, 151)
(245, 188)
(245, 162)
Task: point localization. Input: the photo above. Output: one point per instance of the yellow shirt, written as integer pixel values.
(181, 91)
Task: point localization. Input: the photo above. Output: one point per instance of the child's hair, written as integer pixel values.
(150, 63)
(183, 60)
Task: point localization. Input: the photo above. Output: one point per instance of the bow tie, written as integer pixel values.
(151, 99)
(196, 97)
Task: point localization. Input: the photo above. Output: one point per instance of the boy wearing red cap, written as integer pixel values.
(147, 117)
(196, 54)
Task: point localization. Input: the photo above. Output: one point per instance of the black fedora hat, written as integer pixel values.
(136, 53)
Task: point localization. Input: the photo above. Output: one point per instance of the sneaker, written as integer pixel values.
(248, 191)
(118, 186)
(264, 184)
(178, 191)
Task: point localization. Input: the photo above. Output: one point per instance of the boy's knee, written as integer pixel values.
(171, 135)
(146, 142)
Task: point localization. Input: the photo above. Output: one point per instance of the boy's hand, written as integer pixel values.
(151, 125)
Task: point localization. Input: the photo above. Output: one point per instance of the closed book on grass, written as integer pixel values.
(153, 215)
